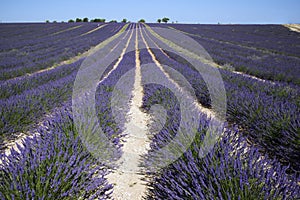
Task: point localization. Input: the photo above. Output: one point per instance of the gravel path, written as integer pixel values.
(128, 182)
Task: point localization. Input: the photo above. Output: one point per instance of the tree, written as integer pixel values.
(47, 21)
(165, 19)
(142, 21)
(85, 19)
(113, 21)
(97, 20)
(71, 21)
(124, 20)
(78, 20)
(159, 20)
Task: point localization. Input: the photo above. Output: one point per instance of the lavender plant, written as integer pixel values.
(268, 113)
(232, 170)
(246, 48)
(53, 48)
(53, 165)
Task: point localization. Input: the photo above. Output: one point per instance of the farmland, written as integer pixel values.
(161, 111)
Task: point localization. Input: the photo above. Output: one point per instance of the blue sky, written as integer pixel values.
(188, 11)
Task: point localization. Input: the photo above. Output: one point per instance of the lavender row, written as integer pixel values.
(38, 43)
(34, 35)
(51, 51)
(48, 48)
(264, 65)
(38, 95)
(281, 90)
(53, 165)
(272, 38)
(113, 121)
(222, 46)
(231, 170)
(20, 112)
(15, 36)
(19, 85)
(269, 116)
(58, 165)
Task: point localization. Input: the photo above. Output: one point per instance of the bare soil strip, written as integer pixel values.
(95, 29)
(293, 27)
(127, 180)
(69, 29)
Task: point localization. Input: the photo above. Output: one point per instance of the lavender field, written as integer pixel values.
(88, 111)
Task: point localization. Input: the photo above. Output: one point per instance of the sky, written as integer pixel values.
(181, 11)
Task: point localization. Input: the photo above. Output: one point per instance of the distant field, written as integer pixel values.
(257, 156)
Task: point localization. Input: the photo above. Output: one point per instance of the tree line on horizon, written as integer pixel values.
(101, 20)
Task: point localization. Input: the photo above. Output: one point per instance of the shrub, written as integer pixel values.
(78, 20)
(165, 19)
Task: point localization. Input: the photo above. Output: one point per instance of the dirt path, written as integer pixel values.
(65, 30)
(198, 106)
(93, 30)
(293, 27)
(127, 180)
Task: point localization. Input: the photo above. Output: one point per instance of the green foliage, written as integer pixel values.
(98, 20)
(113, 21)
(142, 21)
(165, 19)
(159, 20)
(78, 20)
(47, 21)
(71, 21)
(124, 20)
(85, 19)
(228, 67)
